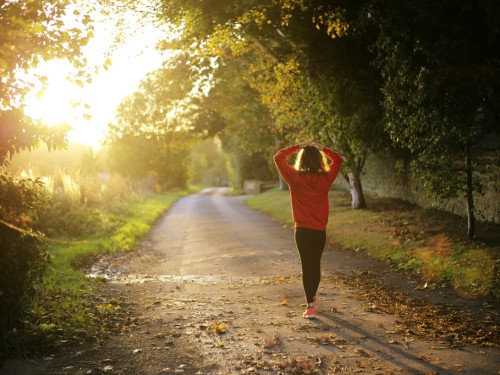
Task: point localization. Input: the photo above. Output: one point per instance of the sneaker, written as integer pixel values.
(310, 313)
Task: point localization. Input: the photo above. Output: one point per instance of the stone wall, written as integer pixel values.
(382, 179)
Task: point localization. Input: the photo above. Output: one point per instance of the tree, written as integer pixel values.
(23, 256)
(208, 163)
(329, 86)
(149, 137)
(309, 62)
(441, 87)
(164, 157)
(19, 132)
(29, 33)
(231, 111)
(248, 135)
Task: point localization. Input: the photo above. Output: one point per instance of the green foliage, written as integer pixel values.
(31, 32)
(18, 132)
(73, 220)
(243, 117)
(22, 250)
(330, 71)
(18, 198)
(441, 87)
(208, 164)
(163, 158)
(76, 202)
(244, 124)
(23, 263)
(75, 190)
(148, 138)
(308, 62)
(244, 165)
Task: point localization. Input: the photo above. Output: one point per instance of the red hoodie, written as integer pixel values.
(309, 191)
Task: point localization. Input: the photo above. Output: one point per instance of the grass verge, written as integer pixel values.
(66, 306)
(429, 243)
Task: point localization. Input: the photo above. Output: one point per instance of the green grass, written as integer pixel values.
(66, 304)
(135, 220)
(274, 202)
(404, 236)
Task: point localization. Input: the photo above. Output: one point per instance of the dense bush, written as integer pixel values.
(36, 210)
(23, 262)
(72, 220)
(77, 202)
(22, 251)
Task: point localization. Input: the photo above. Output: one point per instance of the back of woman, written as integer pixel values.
(309, 181)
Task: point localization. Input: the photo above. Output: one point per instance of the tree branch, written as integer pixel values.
(262, 47)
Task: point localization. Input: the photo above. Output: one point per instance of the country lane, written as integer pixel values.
(215, 288)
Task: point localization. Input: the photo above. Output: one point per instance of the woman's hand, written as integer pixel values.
(318, 145)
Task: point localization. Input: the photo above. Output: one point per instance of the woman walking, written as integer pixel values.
(309, 181)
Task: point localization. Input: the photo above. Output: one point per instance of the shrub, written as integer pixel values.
(23, 263)
(22, 251)
(77, 203)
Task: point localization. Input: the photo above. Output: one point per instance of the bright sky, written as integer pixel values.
(130, 62)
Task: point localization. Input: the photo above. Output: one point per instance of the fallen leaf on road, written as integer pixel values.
(217, 327)
(284, 302)
(421, 287)
(272, 342)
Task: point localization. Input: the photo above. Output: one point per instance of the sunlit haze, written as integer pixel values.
(130, 62)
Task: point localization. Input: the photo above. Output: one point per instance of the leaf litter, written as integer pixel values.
(443, 322)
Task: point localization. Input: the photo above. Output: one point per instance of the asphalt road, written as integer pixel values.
(212, 234)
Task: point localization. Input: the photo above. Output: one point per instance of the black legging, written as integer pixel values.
(310, 243)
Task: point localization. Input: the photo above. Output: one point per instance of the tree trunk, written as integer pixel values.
(471, 220)
(357, 196)
(283, 184)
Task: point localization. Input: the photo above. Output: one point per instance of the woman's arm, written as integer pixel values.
(286, 171)
(336, 162)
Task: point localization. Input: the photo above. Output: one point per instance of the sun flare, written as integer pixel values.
(65, 102)
(88, 109)
(54, 105)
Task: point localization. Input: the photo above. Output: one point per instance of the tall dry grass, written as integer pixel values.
(79, 203)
